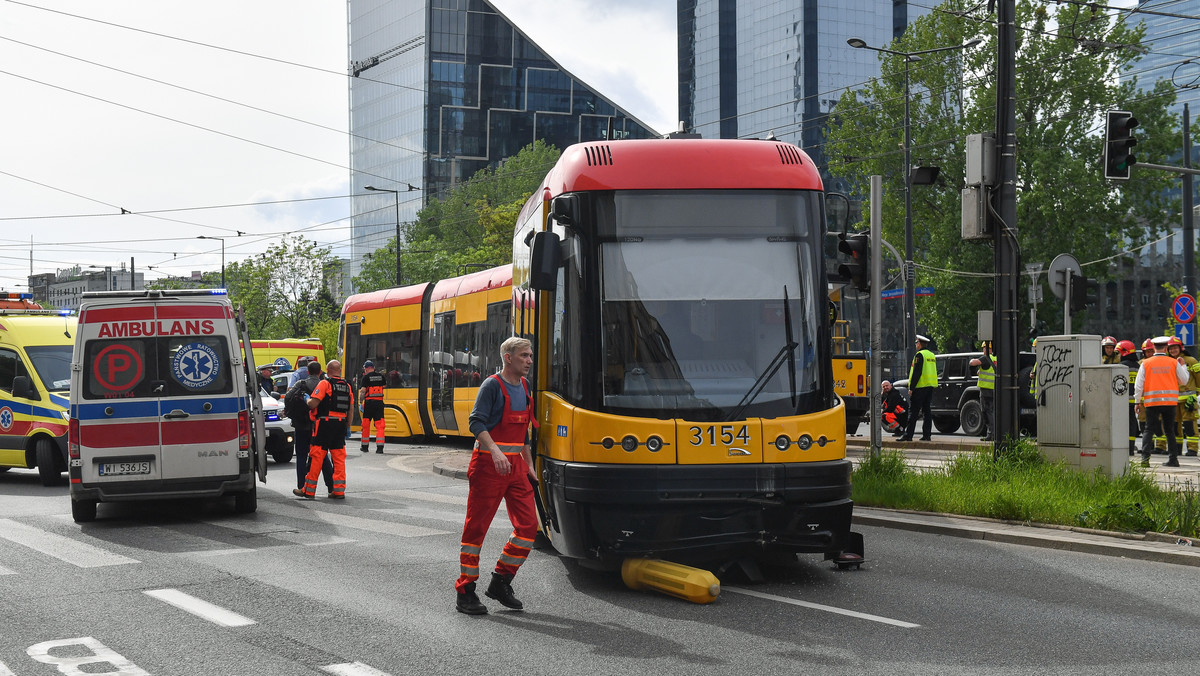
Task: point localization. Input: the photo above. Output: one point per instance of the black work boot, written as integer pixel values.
(469, 603)
(501, 590)
(379, 448)
(363, 448)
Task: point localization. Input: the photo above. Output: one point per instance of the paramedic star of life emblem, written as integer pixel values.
(195, 366)
(6, 418)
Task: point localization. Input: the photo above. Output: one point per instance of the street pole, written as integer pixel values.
(396, 195)
(876, 311)
(222, 255)
(1189, 234)
(910, 275)
(1007, 259)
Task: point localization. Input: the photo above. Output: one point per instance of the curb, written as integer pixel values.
(1156, 547)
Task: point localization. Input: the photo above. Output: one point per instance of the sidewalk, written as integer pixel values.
(1147, 547)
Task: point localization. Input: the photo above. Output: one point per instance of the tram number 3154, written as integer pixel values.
(725, 434)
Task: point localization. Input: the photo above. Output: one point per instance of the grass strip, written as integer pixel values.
(1022, 485)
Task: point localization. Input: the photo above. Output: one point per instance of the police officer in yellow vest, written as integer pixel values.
(922, 380)
(987, 389)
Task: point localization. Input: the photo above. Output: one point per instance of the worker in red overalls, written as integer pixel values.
(501, 468)
(370, 392)
(330, 404)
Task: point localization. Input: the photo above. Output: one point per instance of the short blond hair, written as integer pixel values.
(513, 345)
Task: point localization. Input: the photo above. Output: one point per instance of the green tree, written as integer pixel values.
(327, 331)
(1067, 66)
(469, 227)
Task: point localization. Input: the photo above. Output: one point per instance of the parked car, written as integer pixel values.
(955, 403)
(281, 436)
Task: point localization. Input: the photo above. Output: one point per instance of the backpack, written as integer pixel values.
(295, 406)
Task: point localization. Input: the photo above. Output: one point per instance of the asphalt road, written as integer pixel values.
(364, 587)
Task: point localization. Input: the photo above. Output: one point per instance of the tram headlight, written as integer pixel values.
(654, 444)
(629, 443)
(782, 442)
(804, 442)
(608, 443)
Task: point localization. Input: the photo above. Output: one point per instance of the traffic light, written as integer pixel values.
(1084, 292)
(858, 270)
(1118, 144)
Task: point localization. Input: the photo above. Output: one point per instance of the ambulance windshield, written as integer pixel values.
(53, 365)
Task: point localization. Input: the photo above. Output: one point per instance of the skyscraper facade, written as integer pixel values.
(442, 89)
(1173, 40)
(752, 68)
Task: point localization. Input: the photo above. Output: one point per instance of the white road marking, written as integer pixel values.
(353, 669)
(200, 608)
(372, 525)
(5, 671)
(818, 606)
(6, 571)
(286, 533)
(62, 548)
(460, 500)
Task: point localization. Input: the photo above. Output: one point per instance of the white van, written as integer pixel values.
(160, 404)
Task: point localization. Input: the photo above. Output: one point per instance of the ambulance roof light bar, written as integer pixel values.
(155, 293)
(13, 295)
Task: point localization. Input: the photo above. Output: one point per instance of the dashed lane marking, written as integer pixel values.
(353, 669)
(818, 606)
(65, 549)
(200, 608)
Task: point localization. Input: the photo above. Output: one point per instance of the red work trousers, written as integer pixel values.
(487, 489)
(316, 456)
(367, 424)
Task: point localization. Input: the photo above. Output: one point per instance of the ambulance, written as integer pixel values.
(163, 404)
(35, 374)
(283, 354)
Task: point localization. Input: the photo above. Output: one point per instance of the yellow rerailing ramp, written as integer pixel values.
(674, 579)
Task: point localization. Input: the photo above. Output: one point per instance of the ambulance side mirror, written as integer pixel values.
(22, 389)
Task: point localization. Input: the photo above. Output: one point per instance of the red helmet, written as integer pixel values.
(1147, 344)
(1126, 348)
(1174, 341)
(1108, 340)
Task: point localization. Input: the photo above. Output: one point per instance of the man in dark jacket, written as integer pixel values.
(295, 402)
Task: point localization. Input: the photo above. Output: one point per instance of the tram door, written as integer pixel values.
(441, 371)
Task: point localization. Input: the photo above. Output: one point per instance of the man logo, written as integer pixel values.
(735, 452)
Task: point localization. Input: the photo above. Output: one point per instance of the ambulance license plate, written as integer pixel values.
(118, 468)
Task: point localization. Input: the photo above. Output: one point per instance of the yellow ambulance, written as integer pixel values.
(35, 381)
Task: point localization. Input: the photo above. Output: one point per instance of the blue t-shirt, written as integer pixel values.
(489, 404)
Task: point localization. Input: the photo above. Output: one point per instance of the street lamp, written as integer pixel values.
(910, 297)
(396, 195)
(108, 284)
(222, 255)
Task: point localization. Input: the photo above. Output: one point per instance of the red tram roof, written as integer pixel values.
(680, 164)
(396, 297)
(483, 280)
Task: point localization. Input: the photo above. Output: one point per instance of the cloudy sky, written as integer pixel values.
(226, 117)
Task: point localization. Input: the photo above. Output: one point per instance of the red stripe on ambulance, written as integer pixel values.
(119, 435)
(199, 431)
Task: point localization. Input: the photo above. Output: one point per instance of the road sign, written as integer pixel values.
(923, 291)
(1186, 333)
(1184, 308)
(892, 293)
(1062, 263)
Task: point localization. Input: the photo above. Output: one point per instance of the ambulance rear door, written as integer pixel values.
(159, 399)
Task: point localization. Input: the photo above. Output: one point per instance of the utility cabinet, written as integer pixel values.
(1081, 405)
(1104, 418)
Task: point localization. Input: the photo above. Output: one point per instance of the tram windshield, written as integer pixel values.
(698, 289)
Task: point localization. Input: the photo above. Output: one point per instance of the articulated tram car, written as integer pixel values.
(675, 294)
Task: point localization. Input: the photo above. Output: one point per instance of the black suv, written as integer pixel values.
(956, 401)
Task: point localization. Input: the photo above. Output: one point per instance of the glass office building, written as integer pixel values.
(444, 88)
(752, 68)
(1174, 43)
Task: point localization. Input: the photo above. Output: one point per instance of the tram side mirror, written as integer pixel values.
(564, 209)
(544, 260)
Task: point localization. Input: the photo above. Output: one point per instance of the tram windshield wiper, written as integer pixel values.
(787, 352)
